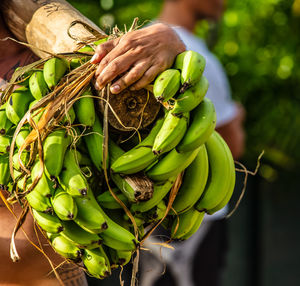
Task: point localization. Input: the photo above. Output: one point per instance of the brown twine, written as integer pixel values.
(246, 172)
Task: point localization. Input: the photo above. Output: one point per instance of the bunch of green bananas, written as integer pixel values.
(69, 198)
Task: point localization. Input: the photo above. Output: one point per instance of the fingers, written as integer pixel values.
(118, 66)
(131, 77)
(102, 50)
(147, 78)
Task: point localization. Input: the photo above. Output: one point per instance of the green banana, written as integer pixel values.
(4, 170)
(156, 213)
(194, 182)
(39, 202)
(126, 184)
(64, 205)
(5, 123)
(114, 151)
(85, 110)
(185, 223)
(194, 228)
(139, 157)
(48, 222)
(37, 114)
(171, 165)
(160, 191)
(23, 79)
(55, 146)
(231, 184)
(71, 178)
(119, 257)
(20, 139)
(21, 183)
(116, 236)
(107, 201)
(79, 237)
(17, 104)
(44, 185)
(191, 64)
(53, 71)
(202, 125)
(166, 85)
(66, 248)
(94, 143)
(70, 117)
(89, 216)
(171, 132)
(219, 176)
(191, 98)
(77, 62)
(5, 141)
(37, 85)
(96, 263)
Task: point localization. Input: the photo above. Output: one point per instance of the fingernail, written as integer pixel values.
(94, 58)
(115, 88)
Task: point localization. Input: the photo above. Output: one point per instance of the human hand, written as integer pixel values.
(137, 57)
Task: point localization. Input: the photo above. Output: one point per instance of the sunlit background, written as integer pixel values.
(258, 42)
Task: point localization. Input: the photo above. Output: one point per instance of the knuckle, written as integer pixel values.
(113, 67)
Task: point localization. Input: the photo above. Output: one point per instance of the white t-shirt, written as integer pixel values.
(219, 90)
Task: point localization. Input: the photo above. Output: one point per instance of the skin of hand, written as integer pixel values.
(137, 57)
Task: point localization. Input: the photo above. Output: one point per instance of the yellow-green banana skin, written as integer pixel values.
(219, 168)
(171, 132)
(39, 202)
(115, 236)
(114, 153)
(79, 237)
(94, 143)
(139, 157)
(5, 141)
(37, 85)
(119, 257)
(20, 139)
(191, 98)
(231, 184)
(184, 223)
(192, 65)
(71, 178)
(64, 205)
(53, 71)
(55, 146)
(48, 222)
(18, 103)
(44, 186)
(85, 110)
(194, 228)
(5, 123)
(160, 191)
(193, 184)
(171, 165)
(166, 85)
(66, 248)
(89, 215)
(107, 201)
(203, 123)
(4, 170)
(96, 263)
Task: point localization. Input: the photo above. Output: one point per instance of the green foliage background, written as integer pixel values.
(258, 43)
